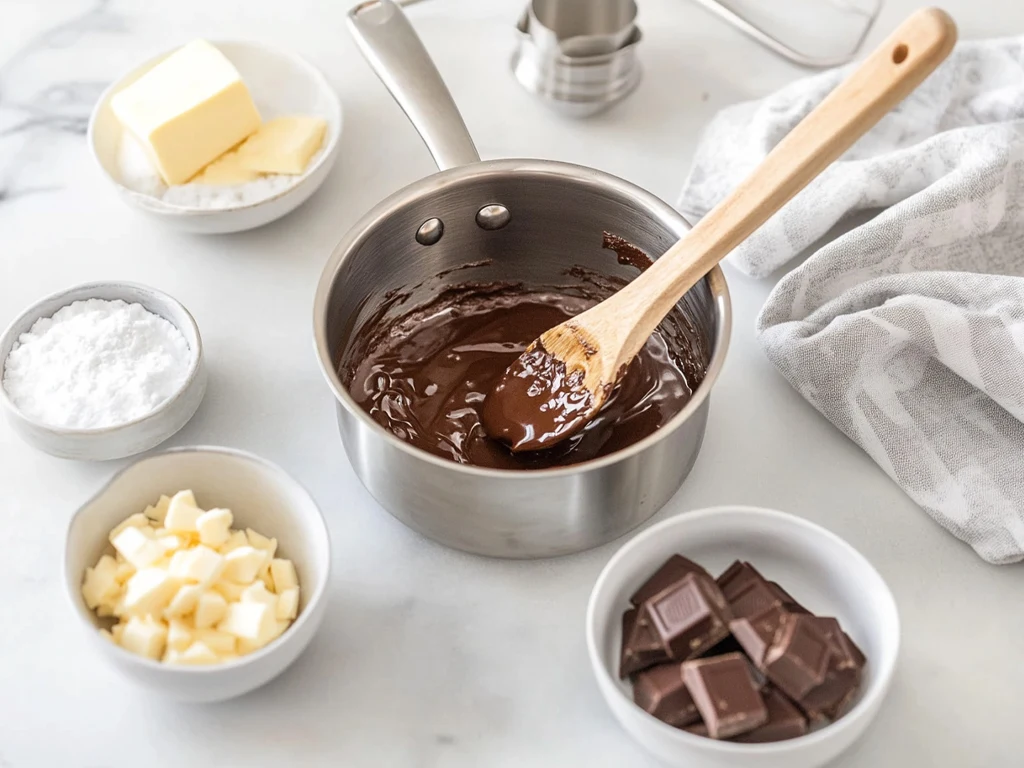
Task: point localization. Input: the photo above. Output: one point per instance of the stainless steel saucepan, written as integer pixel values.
(526, 221)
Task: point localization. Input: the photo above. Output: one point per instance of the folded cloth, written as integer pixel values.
(907, 332)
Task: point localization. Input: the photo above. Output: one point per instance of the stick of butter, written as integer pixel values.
(283, 145)
(188, 110)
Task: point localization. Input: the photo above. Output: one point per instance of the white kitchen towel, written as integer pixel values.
(907, 332)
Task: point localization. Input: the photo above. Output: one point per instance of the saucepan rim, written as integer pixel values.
(436, 184)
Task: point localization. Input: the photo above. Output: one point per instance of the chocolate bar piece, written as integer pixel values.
(675, 569)
(737, 576)
(785, 721)
(722, 647)
(798, 659)
(842, 678)
(641, 648)
(688, 617)
(752, 598)
(788, 602)
(725, 695)
(755, 634)
(661, 691)
(697, 729)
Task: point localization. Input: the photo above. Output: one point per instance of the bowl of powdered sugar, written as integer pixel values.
(101, 371)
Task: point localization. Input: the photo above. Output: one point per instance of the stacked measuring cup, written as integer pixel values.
(579, 56)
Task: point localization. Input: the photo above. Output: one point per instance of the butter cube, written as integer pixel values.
(243, 564)
(236, 540)
(283, 145)
(197, 653)
(117, 631)
(231, 591)
(144, 636)
(184, 601)
(179, 636)
(138, 520)
(157, 512)
(257, 592)
(188, 110)
(137, 548)
(200, 565)
(124, 572)
(214, 527)
(210, 609)
(253, 622)
(218, 642)
(226, 170)
(283, 573)
(288, 604)
(259, 541)
(149, 591)
(101, 585)
(182, 513)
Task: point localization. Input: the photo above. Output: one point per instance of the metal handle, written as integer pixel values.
(393, 49)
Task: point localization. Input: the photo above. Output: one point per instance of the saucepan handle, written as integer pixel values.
(393, 49)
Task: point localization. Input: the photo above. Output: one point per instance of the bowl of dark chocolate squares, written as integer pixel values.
(742, 637)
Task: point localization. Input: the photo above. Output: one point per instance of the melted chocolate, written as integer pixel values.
(424, 375)
(512, 415)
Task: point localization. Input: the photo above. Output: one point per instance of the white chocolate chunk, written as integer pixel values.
(107, 635)
(236, 540)
(138, 520)
(253, 622)
(101, 585)
(184, 601)
(149, 591)
(231, 591)
(283, 573)
(200, 564)
(182, 513)
(243, 564)
(218, 642)
(214, 527)
(198, 653)
(179, 636)
(259, 541)
(144, 636)
(211, 608)
(257, 592)
(158, 511)
(124, 572)
(137, 548)
(288, 604)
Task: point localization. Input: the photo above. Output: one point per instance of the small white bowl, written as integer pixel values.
(819, 569)
(281, 83)
(261, 496)
(121, 440)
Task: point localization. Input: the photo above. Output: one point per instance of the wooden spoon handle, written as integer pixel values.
(884, 79)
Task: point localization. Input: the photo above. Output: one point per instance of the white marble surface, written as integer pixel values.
(428, 657)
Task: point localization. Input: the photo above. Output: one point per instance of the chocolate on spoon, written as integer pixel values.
(564, 378)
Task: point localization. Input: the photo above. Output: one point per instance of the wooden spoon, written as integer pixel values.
(560, 383)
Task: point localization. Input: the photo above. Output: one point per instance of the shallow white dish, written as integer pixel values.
(260, 495)
(819, 569)
(281, 83)
(123, 439)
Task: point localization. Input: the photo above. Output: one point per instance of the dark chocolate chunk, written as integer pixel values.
(722, 647)
(755, 634)
(788, 602)
(799, 657)
(661, 691)
(675, 569)
(785, 721)
(697, 729)
(687, 617)
(754, 597)
(641, 647)
(842, 678)
(725, 694)
(737, 576)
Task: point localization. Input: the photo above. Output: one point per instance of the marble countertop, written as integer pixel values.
(427, 657)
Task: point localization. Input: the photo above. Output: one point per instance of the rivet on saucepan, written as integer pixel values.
(493, 217)
(430, 231)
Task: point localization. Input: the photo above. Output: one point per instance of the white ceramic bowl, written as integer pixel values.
(281, 83)
(261, 496)
(123, 439)
(819, 569)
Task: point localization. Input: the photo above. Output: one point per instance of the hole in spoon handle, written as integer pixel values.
(900, 53)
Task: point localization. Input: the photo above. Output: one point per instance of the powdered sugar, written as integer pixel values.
(96, 363)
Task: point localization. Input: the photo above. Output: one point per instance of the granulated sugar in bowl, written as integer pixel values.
(94, 364)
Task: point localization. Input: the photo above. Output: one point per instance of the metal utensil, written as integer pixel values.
(555, 213)
(580, 27)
